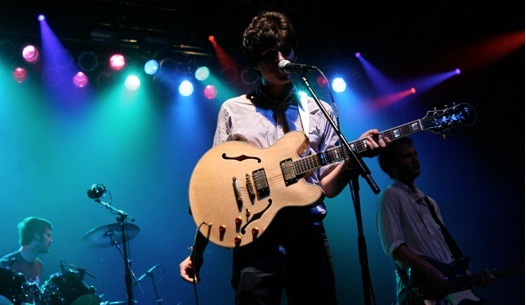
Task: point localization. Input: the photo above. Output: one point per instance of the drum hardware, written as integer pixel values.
(81, 270)
(109, 235)
(150, 274)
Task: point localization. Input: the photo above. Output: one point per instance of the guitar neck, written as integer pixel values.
(460, 283)
(339, 153)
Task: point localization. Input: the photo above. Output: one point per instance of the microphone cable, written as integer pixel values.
(196, 280)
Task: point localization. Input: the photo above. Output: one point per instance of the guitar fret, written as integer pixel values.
(403, 130)
(323, 160)
(311, 162)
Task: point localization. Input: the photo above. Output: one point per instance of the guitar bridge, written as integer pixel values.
(237, 193)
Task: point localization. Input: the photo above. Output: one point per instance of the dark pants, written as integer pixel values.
(295, 258)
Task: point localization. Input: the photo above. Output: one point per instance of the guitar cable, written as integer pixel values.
(194, 283)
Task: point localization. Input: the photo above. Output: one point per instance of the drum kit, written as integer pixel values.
(66, 287)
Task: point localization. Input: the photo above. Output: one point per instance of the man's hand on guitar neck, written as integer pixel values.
(486, 279)
(374, 142)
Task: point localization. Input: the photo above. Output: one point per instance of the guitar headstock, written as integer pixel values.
(440, 120)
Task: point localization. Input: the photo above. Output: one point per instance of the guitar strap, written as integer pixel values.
(455, 249)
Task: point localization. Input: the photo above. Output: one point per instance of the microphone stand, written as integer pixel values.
(124, 240)
(158, 299)
(362, 247)
(364, 171)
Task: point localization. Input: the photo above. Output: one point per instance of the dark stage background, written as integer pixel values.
(56, 144)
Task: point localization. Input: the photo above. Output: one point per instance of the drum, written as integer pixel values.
(13, 286)
(68, 288)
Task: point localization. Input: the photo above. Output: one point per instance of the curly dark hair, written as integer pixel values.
(265, 31)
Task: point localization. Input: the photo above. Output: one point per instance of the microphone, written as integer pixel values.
(148, 273)
(286, 66)
(96, 191)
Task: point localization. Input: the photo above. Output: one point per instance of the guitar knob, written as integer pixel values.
(237, 240)
(222, 230)
(255, 232)
(238, 222)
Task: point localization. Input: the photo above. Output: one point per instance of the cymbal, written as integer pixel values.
(109, 235)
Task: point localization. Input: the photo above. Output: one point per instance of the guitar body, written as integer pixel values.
(236, 189)
(461, 292)
(459, 283)
(465, 297)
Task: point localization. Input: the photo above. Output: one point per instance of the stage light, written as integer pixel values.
(321, 81)
(210, 92)
(186, 88)
(117, 62)
(19, 74)
(80, 79)
(132, 82)
(338, 84)
(151, 67)
(30, 53)
(41, 17)
(202, 73)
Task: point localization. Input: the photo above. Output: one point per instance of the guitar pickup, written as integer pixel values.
(261, 182)
(287, 169)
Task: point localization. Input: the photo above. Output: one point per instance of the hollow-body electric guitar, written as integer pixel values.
(236, 189)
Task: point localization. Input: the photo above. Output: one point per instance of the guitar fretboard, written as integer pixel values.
(339, 153)
(460, 283)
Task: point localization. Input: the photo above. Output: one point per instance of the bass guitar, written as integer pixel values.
(236, 189)
(459, 283)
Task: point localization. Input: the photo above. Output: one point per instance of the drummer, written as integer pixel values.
(34, 234)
